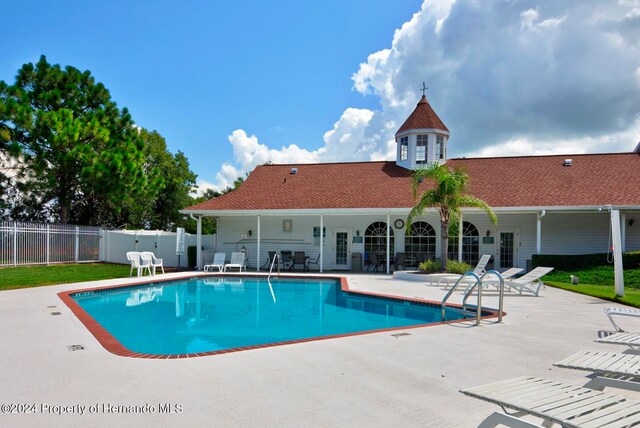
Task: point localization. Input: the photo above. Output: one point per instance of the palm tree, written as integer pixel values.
(447, 195)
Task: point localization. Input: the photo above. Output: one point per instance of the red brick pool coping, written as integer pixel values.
(112, 345)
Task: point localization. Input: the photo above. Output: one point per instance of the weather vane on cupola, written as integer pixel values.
(424, 89)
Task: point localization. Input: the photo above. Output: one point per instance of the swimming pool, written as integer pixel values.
(210, 315)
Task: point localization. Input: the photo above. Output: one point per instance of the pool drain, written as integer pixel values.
(397, 335)
(75, 348)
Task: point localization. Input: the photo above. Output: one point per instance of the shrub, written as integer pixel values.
(429, 266)
(458, 267)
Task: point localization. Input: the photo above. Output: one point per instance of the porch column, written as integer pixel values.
(199, 243)
(321, 242)
(459, 240)
(617, 252)
(258, 248)
(539, 231)
(388, 242)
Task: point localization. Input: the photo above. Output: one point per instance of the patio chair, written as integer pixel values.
(611, 369)
(285, 257)
(530, 282)
(554, 402)
(218, 263)
(138, 263)
(237, 262)
(314, 262)
(299, 259)
(152, 260)
(271, 259)
(628, 312)
(399, 260)
(374, 262)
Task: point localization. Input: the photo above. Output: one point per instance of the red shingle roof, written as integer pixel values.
(423, 117)
(534, 181)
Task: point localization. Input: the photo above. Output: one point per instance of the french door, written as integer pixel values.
(507, 251)
(342, 254)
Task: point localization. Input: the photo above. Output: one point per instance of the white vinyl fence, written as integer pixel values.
(37, 243)
(116, 243)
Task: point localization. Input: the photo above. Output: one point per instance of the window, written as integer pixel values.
(421, 148)
(375, 239)
(440, 146)
(404, 148)
(420, 243)
(470, 244)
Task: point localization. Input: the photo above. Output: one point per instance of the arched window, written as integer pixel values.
(420, 243)
(470, 244)
(375, 239)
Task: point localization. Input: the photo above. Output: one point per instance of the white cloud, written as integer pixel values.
(506, 79)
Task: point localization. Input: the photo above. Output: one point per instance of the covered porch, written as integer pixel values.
(349, 237)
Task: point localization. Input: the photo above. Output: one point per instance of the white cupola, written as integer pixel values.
(422, 138)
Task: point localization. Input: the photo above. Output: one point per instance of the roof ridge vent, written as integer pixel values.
(567, 162)
(294, 171)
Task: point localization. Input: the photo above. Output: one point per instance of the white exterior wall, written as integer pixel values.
(115, 244)
(586, 233)
(632, 233)
(562, 233)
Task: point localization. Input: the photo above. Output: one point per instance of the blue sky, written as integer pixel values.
(197, 70)
(235, 84)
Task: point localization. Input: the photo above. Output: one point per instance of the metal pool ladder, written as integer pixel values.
(275, 261)
(469, 291)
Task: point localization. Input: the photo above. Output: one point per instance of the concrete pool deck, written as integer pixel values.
(367, 380)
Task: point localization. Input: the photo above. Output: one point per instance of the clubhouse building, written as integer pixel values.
(341, 213)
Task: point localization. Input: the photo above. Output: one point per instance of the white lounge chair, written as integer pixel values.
(529, 282)
(237, 261)
(612, 369)
(491, 279)
(138, 263)
(554, 402)
(622, 338)
(218, 263)
(479, 270)
(152, 260)
(629, 312)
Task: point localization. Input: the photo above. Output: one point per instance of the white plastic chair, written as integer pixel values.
(218, 263)
(137, 262)
(150, 259)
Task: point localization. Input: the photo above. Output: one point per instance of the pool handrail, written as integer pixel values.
(451, 291)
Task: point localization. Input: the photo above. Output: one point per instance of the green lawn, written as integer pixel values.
(36, 276)
(602, 275)
(606, 292)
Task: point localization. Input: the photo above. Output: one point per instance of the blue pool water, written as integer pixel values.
(212, 314)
